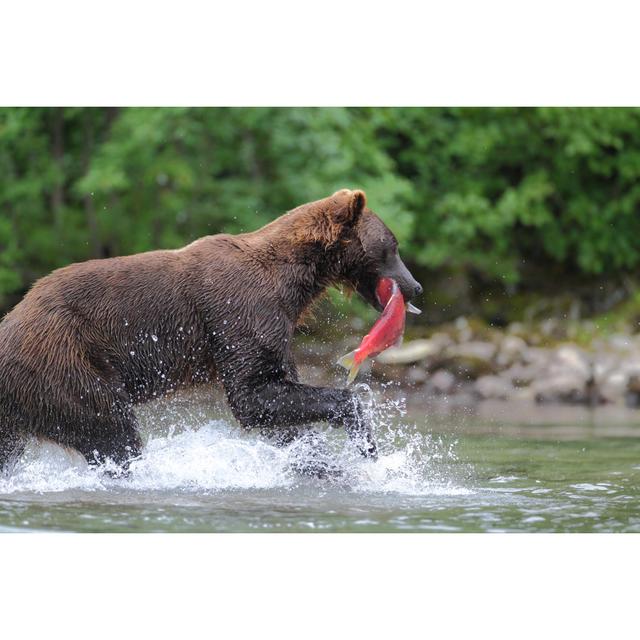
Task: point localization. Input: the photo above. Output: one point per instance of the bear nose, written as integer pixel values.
(417, 290)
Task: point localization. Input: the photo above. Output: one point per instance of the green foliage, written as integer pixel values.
(511, 196)
(496, 189)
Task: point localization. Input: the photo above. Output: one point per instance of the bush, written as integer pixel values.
(509, 197)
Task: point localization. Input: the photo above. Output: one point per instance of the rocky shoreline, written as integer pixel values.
(467, 364)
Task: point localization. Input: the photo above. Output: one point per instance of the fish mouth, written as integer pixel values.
(410, 308)
(368, 291)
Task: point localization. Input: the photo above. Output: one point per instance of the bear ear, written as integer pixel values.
(349, 214)
(326, 221)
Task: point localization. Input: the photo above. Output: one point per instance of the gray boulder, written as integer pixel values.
(522, 375)
(441, 383)
(570, 359)
(632, 394)
(613, 386)
(538, 356)
(564, 388)
(493, 388)
(416, 375)
(410, 352)
(471, 359)
(510, 351)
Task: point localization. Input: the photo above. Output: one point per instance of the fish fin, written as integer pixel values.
(353, 372)
(348, 361)
(413, 309)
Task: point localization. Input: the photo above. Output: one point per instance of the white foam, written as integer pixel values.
(398, 473)
(221, 456)
(215, 456)
(45, 468)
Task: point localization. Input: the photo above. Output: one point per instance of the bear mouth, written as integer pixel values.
(367, 291)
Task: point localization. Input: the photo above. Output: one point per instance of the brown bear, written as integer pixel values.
(91, 340)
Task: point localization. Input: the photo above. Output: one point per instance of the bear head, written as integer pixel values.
(361, 248)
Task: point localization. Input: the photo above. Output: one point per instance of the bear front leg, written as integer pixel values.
(285, 403)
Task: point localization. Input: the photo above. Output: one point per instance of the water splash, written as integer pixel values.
(218, 455)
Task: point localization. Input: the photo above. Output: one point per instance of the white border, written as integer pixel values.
(320, 586)
(329, 53)
(460, 52)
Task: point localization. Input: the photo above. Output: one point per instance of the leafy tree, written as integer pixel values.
(506, 199)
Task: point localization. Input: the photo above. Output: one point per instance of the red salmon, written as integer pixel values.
(387, 330)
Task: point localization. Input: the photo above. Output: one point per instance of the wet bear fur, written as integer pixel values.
(91, 340)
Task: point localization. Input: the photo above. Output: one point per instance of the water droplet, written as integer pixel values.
(154, 337)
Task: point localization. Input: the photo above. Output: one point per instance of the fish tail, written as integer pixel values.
(348, 361)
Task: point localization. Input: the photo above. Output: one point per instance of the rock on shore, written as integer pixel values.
(489, 364)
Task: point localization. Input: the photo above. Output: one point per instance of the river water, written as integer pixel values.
(200, 472)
